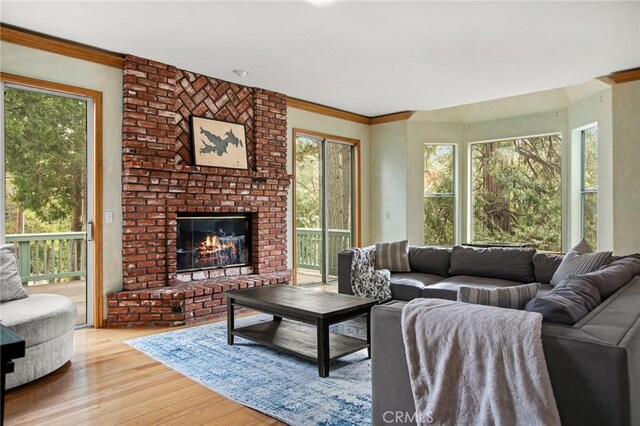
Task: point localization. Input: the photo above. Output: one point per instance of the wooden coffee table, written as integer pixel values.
(304, 306)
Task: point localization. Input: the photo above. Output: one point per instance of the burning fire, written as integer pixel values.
(213, 244)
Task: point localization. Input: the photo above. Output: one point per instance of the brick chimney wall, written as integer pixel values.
(159, 180)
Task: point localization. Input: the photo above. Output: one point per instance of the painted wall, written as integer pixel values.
(388, 174)
(618, 162)
(305, 120)
(626, 167)
(43, 65)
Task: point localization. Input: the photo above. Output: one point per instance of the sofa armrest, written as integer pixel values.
(392, 399)
(344, 272)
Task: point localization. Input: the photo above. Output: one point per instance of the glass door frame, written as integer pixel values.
(95, 308)
(325, 139)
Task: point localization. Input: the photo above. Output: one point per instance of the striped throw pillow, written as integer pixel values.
(508, 297)
(393, 256)
(579, 261)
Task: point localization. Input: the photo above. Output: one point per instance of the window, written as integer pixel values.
(439, 194)
(517, 191)
(589, 186)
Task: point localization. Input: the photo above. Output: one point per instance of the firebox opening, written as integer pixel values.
(215, 241)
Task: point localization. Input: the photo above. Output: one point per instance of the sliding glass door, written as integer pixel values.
(324, 204)
(45, 148)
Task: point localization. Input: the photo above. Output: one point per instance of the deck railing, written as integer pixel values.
(50, 257)
(309, 248)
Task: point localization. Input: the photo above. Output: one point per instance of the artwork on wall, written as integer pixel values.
(218, 143)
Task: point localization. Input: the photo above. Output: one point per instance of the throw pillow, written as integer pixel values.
(430, 260)
(580, 260)
(515, 297)
(609, 278)
(568, 302)
(10, 284)
(545, 265)
(393, 256)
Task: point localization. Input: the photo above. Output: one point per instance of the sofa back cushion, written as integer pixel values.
(393, 256)
(609, 278)
(515, 297)
(494, 262)
(580, 260)
(568, 302)
(430, 260)
(545, 265)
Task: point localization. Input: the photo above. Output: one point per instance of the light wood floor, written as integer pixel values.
(74, 290)
(109, 383)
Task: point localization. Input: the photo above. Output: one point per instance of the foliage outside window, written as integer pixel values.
(439, 194)
(45, 162)
(589, 186)
(517, 191)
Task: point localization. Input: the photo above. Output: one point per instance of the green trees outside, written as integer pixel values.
(517, 191)
(309, 169)
(439, 199)
(308, 183)
(590, 186)
(45, 162)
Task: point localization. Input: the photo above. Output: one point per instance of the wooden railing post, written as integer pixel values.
(24, 258)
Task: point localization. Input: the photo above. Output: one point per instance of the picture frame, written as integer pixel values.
(218, 143)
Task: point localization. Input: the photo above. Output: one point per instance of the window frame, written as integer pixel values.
(469, 178)
(454, 194)
(583, 189)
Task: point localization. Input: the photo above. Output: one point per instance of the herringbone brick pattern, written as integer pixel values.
(212, 98)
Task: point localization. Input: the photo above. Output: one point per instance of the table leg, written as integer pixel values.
(368, 315)
(230, 321)
(4, 366)
(323, 348)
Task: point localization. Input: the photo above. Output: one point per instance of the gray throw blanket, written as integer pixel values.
(366, 281)
(476, 365)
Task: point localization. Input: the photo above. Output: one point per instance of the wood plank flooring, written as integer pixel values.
(109, 383)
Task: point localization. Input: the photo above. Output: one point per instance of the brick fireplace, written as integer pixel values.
(160, 187)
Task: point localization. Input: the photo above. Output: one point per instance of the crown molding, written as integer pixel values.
(59, 46)
(346, 115)
(328, 111)
(389, 118)
(623, 76)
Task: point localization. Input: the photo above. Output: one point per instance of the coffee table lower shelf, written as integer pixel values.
(298, 339)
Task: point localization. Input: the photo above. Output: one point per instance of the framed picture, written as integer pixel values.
(218, 143)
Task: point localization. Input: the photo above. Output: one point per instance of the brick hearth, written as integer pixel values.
(158, 183)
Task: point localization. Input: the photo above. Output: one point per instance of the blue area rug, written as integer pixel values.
(280, 385)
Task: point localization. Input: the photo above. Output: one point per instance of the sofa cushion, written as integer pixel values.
(609, 278)
(409, 285)
(568, 302)
(580, 260)
(39, 318)
(448, 287)
(430, 260)
(415, 278)
(545, 265)
(393, 256)
(10, 283)
(515, 297)
(494, 262)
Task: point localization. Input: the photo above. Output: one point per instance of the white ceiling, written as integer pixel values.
(367, 57)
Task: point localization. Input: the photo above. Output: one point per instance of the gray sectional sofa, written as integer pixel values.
(594, 365)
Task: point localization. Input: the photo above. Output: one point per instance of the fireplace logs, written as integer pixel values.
(213, 242)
